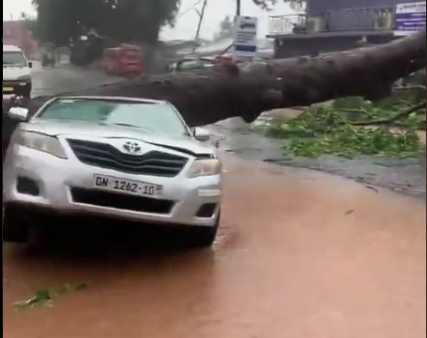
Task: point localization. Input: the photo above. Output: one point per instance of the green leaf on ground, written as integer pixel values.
(45, 297)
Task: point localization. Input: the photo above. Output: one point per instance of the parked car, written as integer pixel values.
(48, 60)
(191, 64)
(128, 159)
(16, 72)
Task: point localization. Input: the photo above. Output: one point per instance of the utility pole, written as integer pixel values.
(238, 7)
(199, 25)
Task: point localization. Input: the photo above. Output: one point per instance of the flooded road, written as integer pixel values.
(64, 78)
(405, 176)
(300, 255)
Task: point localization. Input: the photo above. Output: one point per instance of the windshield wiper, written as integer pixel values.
(125, 125)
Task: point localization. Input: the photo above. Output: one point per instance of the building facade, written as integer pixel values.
(334, 25)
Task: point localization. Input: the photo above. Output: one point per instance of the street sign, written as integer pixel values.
(245, 38)
(410, 18)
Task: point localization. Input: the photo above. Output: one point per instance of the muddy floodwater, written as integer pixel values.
(300, 255)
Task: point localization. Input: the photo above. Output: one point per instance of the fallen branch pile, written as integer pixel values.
(353, 126)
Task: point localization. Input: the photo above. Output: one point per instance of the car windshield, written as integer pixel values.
(149, 117)
(14, 59)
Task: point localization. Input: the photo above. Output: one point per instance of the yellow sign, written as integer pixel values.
(7, 89)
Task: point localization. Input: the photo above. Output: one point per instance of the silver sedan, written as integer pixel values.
(128, 159)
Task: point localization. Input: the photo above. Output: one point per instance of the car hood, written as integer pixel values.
(184, 144)
(13, 73)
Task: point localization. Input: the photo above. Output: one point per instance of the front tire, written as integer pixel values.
(15, 227)
(27, 92)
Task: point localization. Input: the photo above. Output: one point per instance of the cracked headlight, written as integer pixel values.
(205, 167)
(41, 142)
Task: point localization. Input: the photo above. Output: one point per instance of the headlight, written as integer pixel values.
(41, 142)
(205, 167)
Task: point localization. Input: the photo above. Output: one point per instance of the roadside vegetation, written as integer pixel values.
(349, 127)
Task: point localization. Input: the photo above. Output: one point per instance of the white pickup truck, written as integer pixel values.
(16, 72)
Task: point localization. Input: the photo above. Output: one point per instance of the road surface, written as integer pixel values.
(300, 255)
(49, 81)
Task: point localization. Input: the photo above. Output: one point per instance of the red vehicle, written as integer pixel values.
(224, 58)
(125, 61)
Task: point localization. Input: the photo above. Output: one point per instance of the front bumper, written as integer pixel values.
(58, 185)
(12, 88)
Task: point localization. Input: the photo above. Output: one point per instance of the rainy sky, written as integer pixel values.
(187, 19)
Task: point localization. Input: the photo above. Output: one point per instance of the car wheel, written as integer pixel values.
(15, 227)
(26, 94)
(203, 237)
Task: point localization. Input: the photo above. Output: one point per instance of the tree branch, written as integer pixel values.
(391, 119)
(409, 87)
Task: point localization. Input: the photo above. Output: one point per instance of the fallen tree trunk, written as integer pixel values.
(208, 96)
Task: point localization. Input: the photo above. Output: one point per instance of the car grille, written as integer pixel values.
(121, 201)
(103, 155)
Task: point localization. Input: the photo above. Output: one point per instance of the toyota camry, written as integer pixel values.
(115, 157)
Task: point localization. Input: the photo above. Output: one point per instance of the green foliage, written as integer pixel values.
(45, 297)
(352, 126)
(58, 21)
(124, 20)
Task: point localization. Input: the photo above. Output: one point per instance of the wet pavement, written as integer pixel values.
(64, 77)
(300, 255)
(406, 176)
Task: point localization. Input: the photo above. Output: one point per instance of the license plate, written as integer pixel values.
(126, 186)
(7, 89)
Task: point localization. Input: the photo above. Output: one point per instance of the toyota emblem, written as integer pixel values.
(132, 148)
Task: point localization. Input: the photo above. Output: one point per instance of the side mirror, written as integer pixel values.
(201, 134)
(30, 64)
(18, 114)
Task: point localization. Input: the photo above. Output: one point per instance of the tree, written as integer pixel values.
(225, 28)
(227, 91)
(31, 24)
(58, 21)
(208, 96)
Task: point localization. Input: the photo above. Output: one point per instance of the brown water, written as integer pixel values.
(301, 255)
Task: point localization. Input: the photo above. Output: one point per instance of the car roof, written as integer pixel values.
(112, 98)
(11, 48)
